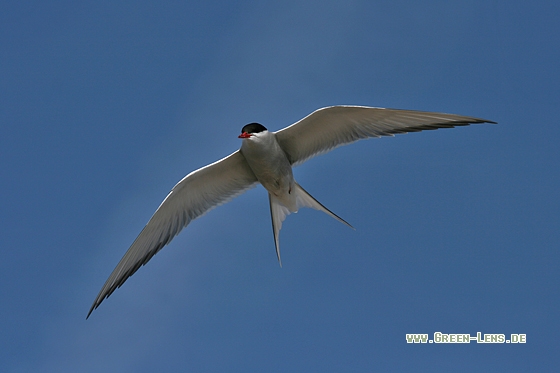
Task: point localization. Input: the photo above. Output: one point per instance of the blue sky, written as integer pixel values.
(106, 105)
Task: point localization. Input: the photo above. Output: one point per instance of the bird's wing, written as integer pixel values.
(330, 127)
(197, 193)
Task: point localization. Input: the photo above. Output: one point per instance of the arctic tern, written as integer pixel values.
(267, 158)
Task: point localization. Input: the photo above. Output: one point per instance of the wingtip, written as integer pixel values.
(93, 307)
(482, 121)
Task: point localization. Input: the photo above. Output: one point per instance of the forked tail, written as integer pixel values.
(278, 212)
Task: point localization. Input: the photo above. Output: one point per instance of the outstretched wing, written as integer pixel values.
(197, 193)
(330, 127)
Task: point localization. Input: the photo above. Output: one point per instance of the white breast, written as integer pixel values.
(271, 166)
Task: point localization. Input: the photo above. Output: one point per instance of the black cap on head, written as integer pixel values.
(253, 128)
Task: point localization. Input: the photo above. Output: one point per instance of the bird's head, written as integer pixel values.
(251, 129)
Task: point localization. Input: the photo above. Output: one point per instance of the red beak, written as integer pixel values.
(244, 135)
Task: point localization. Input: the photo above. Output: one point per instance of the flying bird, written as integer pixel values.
(267, 158)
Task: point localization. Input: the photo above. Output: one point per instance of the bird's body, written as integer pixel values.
(271, 166)
(267, 158)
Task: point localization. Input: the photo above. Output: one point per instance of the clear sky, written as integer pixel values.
(105, 105)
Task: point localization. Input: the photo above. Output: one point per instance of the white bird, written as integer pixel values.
(267, 158)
